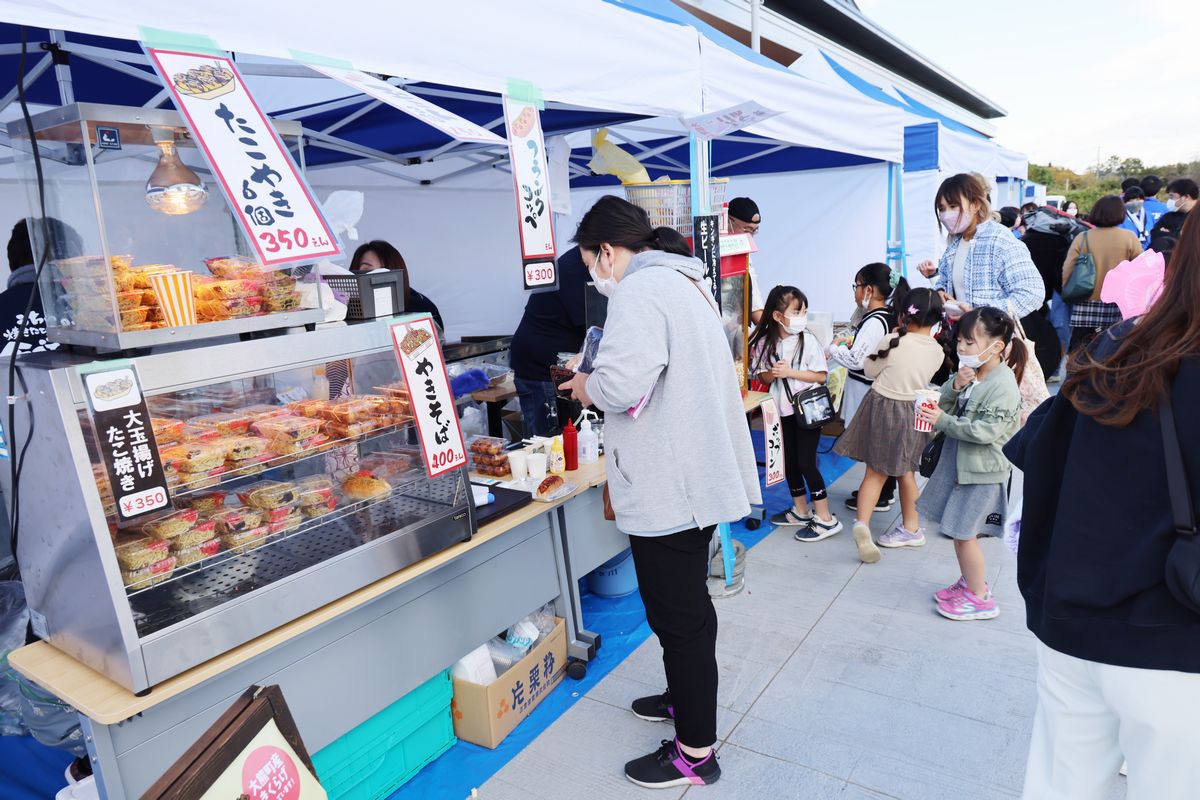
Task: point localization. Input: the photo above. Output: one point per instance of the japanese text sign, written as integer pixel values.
(268, 196)
(773, 430)
(706, 245)
(451, 124)
(267, 769)
(531, 180)
(424, 371)
(125, 438)
(734, 118)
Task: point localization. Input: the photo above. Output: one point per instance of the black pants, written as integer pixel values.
(800, 459)
(1047, 349)
(672, 573)
(888, 493)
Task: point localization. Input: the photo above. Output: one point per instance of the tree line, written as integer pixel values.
(1105, 178)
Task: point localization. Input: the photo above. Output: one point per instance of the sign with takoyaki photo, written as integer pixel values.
(265, 190)
(531, 179)
(432, 403)
(124, 436)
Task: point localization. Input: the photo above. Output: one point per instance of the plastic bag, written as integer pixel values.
(475, 667)
(608, 159)
(14, 619)
(503, 654)
(544, 619)
(523, 634)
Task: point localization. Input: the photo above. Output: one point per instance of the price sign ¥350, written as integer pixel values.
(424, 370)
(264, 188)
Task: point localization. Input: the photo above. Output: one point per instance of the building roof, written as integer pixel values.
(841, 21)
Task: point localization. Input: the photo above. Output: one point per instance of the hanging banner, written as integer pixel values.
(424, 370)
(773, 434)
(274, 204)
(451, 124)
(125, 438)
(706, 246)
(531, 179)
(734, 118)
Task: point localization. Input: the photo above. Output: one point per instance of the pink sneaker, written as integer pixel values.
(950, 592)
(968, 606)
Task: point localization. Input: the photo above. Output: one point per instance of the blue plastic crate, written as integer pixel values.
(382, 754)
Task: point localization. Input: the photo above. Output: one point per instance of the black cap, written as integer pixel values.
(744, 209)
(1128, 182)
(1152, 185)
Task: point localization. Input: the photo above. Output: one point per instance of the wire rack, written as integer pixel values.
(669, 203)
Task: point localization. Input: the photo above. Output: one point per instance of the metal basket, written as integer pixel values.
(360, 291)
(669, 203)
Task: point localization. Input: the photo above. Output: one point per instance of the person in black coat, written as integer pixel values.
(1119, 645)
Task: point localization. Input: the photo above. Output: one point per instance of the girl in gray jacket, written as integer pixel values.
(678, 456)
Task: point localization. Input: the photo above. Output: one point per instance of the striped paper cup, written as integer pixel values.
(174, 290)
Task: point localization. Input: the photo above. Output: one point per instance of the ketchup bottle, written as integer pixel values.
(570, 442)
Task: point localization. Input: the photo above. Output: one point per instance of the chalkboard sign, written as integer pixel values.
(706, 245)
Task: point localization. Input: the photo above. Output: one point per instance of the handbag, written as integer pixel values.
(1033, 387)
(1082, 283)
(1183, 559)
(932, 453)
(815, 405)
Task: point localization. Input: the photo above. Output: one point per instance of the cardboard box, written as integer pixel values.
(484, 715)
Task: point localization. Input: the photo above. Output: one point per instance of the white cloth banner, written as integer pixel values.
(773, 434)
(424, 370)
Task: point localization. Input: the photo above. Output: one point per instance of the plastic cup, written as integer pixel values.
(518, 464)
(926, 398)
(536, 464)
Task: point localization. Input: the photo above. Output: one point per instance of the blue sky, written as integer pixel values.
(1118, 76)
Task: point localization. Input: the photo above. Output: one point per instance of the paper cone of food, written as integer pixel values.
(174, 290)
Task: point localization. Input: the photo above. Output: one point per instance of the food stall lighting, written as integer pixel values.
(173, 188)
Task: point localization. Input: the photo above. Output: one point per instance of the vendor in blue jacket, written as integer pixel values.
(679, 461)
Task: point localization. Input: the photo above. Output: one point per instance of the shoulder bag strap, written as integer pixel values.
(1177, 484)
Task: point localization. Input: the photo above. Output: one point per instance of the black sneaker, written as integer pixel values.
(818, 530)
(657, 708)
(668, 767)
(882, 505)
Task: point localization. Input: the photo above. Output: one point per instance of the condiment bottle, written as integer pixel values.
(571, 446)
(589, 442)
(320, 390)
(557, 463)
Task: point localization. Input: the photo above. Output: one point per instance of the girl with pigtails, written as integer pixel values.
(883, 433)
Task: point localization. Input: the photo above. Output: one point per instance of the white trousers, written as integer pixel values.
(1090, 717)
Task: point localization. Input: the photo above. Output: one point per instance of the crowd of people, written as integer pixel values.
(1113, 598)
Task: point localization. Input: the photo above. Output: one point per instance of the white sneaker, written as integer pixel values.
(86, 789)
(868, 553)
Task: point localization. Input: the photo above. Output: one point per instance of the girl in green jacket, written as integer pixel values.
(967, 494)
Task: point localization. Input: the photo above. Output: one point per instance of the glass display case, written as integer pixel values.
(281, 499)
(125, 196)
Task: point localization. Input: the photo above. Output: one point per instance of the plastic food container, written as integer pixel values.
(319, 509)
(142, 551)
(313, 490)
(338, 430)
(237, 519)
(286, 301)
(207, 503)
(150, 575)
(263, 411)
(244, 541)
(498, 471)
(349, 411)
(488, 460)
(197, 552)
(307, 408)
(195, 457)
(248, 466)
(202, 480)
(486, 445)
(240, 448)
(141, 275)
(268, 494)
(204, 530)
(392, 464)
(172, 525)
(228, 423)
(167, 431)
(213, 289)
(289, 427)
(288, 523)
(134, 316)
(232, 308)
(231, 267)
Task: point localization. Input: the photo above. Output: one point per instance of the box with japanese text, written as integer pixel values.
(485, 715)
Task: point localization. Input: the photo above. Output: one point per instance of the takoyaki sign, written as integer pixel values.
(531, 178)
(265, 190)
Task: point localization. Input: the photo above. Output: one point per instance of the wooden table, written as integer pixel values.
(495, 397)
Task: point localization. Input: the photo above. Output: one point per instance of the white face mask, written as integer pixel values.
(605, 286)
(796, 324)
(1072, 211)
(955, 220)
(1171, 205)
(976, 360)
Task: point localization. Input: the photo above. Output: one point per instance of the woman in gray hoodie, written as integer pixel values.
(679, 460)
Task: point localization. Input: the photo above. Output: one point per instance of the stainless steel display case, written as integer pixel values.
(97, 161)
(141, 635)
